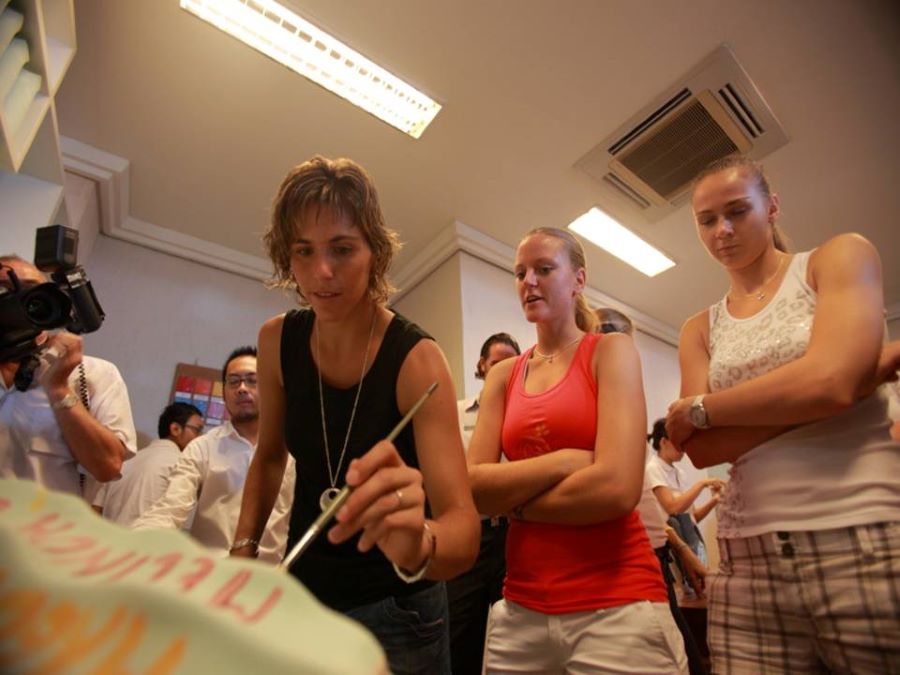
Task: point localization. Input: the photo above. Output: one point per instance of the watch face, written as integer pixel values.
(698, 416)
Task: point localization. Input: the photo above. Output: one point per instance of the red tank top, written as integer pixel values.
(557, 569)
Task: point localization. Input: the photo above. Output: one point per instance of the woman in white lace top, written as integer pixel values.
(780, 377)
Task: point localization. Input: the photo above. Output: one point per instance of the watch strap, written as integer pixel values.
(67, 401)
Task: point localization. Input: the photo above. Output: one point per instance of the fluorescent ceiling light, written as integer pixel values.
(602, 230)
(294, 42)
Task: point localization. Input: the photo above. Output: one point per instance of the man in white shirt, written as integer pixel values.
(146, 475)
(65, 420)
(212, 469)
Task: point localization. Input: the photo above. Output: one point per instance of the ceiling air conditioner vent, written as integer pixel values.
(741, 110)
(657, 115)
(714, 111)
(623, 187)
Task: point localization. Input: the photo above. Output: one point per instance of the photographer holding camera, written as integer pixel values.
(61, 413)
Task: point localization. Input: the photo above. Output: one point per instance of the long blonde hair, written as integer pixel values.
(585, 319)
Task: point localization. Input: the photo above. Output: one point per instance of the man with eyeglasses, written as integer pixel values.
(65, 418)
(146, 475)
(208, 479)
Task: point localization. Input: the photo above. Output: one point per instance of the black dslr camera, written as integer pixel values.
(68, 301)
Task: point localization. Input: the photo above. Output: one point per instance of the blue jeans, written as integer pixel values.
(471, 595)
(412, 630)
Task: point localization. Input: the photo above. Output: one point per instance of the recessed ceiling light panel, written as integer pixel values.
(294, 42)
(600, 229)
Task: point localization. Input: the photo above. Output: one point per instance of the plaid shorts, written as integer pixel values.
(808, 602)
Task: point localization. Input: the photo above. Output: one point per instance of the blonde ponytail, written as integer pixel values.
(585, 319)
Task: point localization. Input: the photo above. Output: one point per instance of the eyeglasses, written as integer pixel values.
(193, 427)
(234, 381)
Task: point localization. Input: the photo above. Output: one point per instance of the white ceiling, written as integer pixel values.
(211, 126)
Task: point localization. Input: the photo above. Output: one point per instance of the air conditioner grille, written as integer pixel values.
(654, 117)
(688, 142)
(623, 187)
(741, 111)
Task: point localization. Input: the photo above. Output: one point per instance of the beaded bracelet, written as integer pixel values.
(242, 543)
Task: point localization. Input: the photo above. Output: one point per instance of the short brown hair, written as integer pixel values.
(339, 184)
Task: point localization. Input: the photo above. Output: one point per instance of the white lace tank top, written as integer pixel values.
(837, 472)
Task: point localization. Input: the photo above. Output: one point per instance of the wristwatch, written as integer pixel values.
(67, 401)
(698, 415)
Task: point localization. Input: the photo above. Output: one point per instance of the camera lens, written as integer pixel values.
(46, 306)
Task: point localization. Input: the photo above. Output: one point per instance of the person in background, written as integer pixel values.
(471, 594)
(335, 378)
(146, 475)
(498, 347)
(583, 590)
(613, 321)
(208, 479)
(670, 487)
(781, 377)
(663, 539)
(65, 418)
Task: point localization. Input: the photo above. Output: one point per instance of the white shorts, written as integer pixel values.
(638, 638)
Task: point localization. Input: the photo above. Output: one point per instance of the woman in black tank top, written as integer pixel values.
(334, 379)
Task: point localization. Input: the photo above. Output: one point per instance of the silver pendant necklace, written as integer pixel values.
(760, 293)
(329, 494)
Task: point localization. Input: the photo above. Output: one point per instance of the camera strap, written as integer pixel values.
(82, 387)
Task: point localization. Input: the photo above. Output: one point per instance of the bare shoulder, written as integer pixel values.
(695, 331)
(271, 328)
(614, 348)
(498, 376)
(425, 356)
(843, 248)
(843, 258)
(424, 364)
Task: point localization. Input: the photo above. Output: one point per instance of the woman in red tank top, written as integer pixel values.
(583, 589)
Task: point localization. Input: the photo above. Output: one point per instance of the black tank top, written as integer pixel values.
(340, 576)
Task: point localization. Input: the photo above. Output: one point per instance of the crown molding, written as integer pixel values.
(111, 174)
(460, 237)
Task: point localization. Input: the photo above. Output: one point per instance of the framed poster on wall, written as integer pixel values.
(201, 387)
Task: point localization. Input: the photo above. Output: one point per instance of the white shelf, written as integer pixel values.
(59, 56)
(23, 196)
(58, 20)
(31, 173)
(20, 139)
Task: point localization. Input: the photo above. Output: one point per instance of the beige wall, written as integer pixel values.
(162, 310)
(434, 304)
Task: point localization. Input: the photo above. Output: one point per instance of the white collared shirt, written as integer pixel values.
(210, 476)
(32, 446)
(468, 415)
(143, 482)
(664, 474)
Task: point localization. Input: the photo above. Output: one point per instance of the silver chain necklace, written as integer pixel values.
(549, 357)
(328, 495)
(760, 293)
